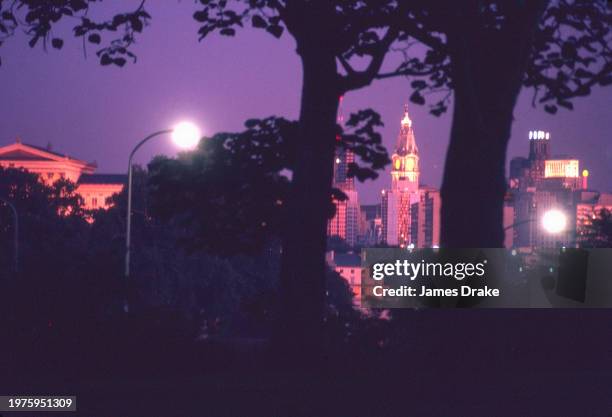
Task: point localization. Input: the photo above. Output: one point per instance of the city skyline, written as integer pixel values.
(176, 77)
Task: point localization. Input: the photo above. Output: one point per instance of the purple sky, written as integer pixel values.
(99, 113)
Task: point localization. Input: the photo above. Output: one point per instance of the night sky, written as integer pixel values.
(100, 113)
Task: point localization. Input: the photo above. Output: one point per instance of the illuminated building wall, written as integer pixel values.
(425, 219)
(588, 207)
(561, 168)
(345, 223)
(539, 152)
(51, 166)
(348, 265)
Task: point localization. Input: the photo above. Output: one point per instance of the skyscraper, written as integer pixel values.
(541, 183)
(409, 213)
(345, 223)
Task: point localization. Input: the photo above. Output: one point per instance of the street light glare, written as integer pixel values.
(186, 135)
(554, 221)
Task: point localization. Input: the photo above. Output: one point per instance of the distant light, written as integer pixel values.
(554, 221)
(585, 172)
(186, 135)
(539, 134)
(436, 247)
(513, 252)
(337, 160)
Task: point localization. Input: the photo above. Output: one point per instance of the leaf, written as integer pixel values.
(417, 98)
(201, 16)
(582, 73)
(6, 15)
(94, 38)
(258, 21)
(275, 30)
(57, 43)
(136, 24)
(550, 108)
(568, 51)
(227, 32)
(119, 61)
(77, 5)
(418, 84)
(105, 60)
(567, 104)
(606, 81)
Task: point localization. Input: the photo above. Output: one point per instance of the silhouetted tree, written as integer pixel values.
(484, 51)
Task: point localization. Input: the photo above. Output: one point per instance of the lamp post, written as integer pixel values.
(184, 135)
(15, 233)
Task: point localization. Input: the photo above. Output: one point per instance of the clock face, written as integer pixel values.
(410, 164)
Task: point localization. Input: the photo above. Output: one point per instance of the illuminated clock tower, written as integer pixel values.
(398, 203)
(405, 160)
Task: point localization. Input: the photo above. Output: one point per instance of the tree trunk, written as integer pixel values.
(487, 73)
(474, 182)
(303, 260)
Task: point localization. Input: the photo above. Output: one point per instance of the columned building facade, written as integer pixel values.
(50, 166)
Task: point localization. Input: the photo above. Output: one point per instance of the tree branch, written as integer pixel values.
(358, 79)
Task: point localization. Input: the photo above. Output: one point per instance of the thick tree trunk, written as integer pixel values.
(474, 182)
(303, 260)
(487, 71)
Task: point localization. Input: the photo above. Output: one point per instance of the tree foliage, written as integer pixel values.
(570, 54)
(235, 185)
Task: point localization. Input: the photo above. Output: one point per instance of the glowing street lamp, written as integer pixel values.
(554, 221)
(185, 135)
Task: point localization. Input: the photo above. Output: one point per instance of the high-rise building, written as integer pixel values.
(425, 218)
(539, 152)
(370, 225)
(410, 213)
(345, 223)
(541, 183)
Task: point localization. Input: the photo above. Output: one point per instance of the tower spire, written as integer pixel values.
(406, 143)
